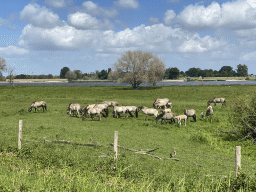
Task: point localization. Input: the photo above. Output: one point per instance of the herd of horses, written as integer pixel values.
(160, 105)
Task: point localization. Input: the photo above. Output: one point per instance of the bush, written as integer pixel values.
(244, 116)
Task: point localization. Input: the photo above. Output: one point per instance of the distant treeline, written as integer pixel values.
(225, 71)
(170, 73)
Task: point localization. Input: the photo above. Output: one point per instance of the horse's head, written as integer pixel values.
(29, 109)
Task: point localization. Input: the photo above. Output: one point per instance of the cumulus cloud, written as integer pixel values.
(127, 4)
(85, 21)
(169, 17)
(197, 44)
(56, 3)
(58, 38)
(94, 9)
(40, 16)
(12, 51)
(216, 16)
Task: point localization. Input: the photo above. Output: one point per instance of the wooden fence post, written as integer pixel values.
(115, 146)
(20, 134)
(238, 159)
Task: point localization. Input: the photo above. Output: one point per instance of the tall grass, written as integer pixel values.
(43, 166)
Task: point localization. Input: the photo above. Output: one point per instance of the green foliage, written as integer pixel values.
(63, 72)
(244, 115)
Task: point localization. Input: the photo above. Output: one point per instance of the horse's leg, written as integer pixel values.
(99, 117)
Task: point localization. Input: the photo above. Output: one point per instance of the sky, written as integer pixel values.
(43, 36)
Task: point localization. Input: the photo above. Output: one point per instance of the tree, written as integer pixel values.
(63, 72)
(70, 75)
(2, 64)
(242, 70)
(193, 72)
(227, 71)
(79, 74)
(156, 69)
(137, 67)
(103, 74)
(172, 73)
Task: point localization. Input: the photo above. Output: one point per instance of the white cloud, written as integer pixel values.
(56, 3)
(197, 44)
(85, 21)
(12, 51)
(157, 38)
(58, 38)
(40, 16)
(169, 17)
(127, 4)
(94, 9)
(229, 15)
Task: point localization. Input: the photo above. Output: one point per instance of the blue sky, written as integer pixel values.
(43, 36)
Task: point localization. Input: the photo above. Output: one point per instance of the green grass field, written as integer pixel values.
(206, 154)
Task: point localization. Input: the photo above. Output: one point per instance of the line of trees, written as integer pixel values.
(225, 71)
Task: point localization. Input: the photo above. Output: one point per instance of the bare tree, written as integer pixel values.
(70, 75)
(156, 70)
(2, 64)
(137, 67)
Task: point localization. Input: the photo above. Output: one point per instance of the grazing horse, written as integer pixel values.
(209, 111)
(133, 109)
(217, 100)
(181, 117)
(165, 116)
(148, 111)
(37, 104)
(190, 113)
(74, 107)
(120, 109)
(91, 111)
(102, 106)
(157, 101)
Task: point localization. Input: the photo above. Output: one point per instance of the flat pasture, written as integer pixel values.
(205, 148)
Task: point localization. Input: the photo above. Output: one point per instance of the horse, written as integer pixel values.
(165, 110)
(181, 117)
(209, 111)
(164, 100)
(190, 113)
(120, 109)
(74, 107)
(165, 116)
(217, 100)
(104, 107)
(37, 104)
(148, 111)
(163, 104)
(110, 103)
(133, 109)
(91, 111)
